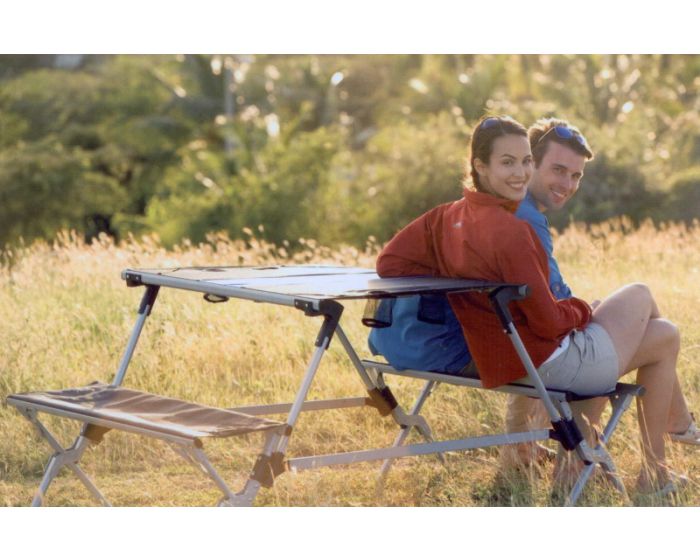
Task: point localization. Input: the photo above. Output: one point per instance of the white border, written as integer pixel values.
(324, 533)
(360, 26)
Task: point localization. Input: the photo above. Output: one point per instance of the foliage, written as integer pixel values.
(404, 170)
(333, 147)
(608, 186)
(683, 199)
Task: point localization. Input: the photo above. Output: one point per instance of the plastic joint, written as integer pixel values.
(383, 400)
(132, 280)
(330, 309)
(501, 297)
(268, 467)
(567, 433)
(94, 433)
(149, 298)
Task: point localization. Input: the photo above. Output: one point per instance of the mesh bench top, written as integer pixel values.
(122, 408)
(472, 377)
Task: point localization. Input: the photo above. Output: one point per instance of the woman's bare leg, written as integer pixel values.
(663, 337)
(654, 410)
(679, 419)
(625, 315)
(650, 344)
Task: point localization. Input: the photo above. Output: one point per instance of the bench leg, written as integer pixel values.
(402, 418)
(403, 434)
(619, 403)
(62, 457)
(67, 457)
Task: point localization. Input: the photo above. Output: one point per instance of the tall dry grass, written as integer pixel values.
(67, 316)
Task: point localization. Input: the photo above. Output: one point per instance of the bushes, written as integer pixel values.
(335, 147)
(682, 202)
(405, 170)
(608, 189)
(45, 187)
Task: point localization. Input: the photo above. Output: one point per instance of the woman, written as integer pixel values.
(574, 347)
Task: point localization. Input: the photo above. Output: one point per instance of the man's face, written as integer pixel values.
(557, 177)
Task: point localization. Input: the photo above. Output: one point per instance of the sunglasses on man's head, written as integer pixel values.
(565, 133)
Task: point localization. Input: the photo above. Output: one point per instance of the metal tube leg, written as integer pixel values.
(66, 457)
(301, 394)
(51, 471)
(399, 415)
(354, 358)
(580, 484)
(246, 497)
(203, 461)
(619, 405)
(85, 479)
(403, 434)
(147, 302)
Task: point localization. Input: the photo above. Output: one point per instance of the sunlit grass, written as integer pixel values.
(67, 316)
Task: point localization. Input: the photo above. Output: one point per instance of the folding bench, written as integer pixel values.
(620, 399)
(316, 291)
(103, 407)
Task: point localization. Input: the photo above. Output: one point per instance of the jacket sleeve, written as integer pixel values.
(410, 252)
(523, 261)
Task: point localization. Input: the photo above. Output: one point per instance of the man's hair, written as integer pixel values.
(484, 135)
(541, 127)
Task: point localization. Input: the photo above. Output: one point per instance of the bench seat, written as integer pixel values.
(125, 409)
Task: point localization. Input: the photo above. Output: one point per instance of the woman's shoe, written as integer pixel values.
(690, 437)
(675, 484)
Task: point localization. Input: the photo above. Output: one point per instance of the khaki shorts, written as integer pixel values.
(589, 366)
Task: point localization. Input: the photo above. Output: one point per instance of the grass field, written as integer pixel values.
(67, 316)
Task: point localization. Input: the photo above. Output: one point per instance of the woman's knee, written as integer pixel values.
(639, 290)
(670, 334)
(661, 343)
(640, 297)
(631, 296)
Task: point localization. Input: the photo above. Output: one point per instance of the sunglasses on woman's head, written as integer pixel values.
(490, 122)
(565, 133)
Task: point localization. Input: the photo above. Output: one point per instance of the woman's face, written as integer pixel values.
(509, 170)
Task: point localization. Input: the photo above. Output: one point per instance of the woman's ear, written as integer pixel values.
(480, 166)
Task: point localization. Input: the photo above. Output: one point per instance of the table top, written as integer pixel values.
(284, 283)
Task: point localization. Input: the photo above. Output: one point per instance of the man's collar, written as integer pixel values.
(529, 199)
(533, 202)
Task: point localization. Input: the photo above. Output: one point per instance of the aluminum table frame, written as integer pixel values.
(318, 291)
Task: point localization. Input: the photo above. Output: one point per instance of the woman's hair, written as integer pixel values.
(483, 137)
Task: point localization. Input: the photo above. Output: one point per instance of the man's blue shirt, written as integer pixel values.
(424, 332)
(528, 211)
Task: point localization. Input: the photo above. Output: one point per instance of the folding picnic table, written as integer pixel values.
(315, 291)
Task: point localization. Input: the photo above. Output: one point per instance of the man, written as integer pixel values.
(424, 332)
(560, 154)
